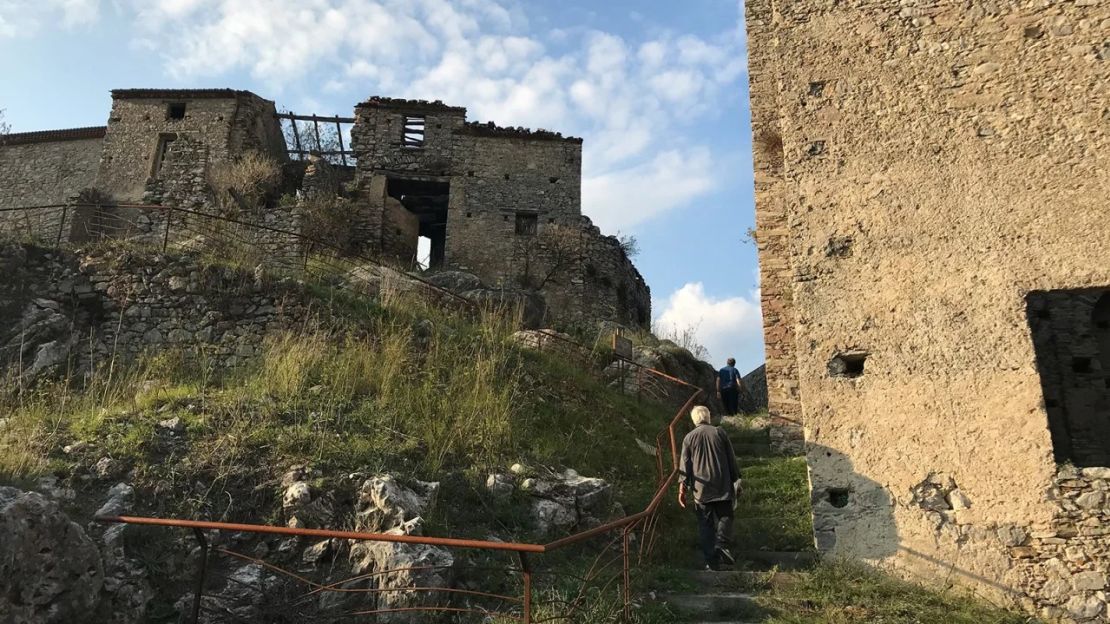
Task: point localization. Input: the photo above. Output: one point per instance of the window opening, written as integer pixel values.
(175, 110)
(526, 224)
(1071, 340)
(414, 131)
(160, 152)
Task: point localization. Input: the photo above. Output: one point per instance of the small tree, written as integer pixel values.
(551, 254)
(4, 127)
(629, 245)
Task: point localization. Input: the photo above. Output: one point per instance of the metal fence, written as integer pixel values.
(616, 550)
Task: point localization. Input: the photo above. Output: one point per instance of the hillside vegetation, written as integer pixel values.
(399, 386)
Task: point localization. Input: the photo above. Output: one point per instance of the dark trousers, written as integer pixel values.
(714, 528)
(731, 398)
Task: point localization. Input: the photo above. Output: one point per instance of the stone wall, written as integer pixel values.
(76, 309)
(773, 232)
(503, 193)
(41, 169)
(507, 177)
(933, 174)
(227, 122)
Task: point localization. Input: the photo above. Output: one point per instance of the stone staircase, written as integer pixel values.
(773, 535)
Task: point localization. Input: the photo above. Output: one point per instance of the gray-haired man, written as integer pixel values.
(708, 468)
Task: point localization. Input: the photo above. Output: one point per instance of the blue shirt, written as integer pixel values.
(729, 377)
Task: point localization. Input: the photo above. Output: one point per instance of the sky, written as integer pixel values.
(656, 88)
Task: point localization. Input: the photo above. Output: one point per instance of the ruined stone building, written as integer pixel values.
(932, 196)
(503, 204)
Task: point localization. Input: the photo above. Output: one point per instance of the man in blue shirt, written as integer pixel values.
(728, 387)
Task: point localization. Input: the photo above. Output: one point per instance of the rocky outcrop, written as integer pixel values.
(559, 502)
(54, 571)
(381, 504)
(50, 572)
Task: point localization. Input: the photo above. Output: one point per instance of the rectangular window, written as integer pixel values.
(1071, 341)
(160, 152)
(413, 131)
(526, 223)
(175, 110)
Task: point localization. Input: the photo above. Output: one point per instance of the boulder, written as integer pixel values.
(384, 504)
(542, 339)
(387, 506)
(50, 571)
(401, 566)
(565, 501)
(245, 596)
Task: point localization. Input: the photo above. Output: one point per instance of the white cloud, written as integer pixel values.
(25, 18)
(624, 197)
(630, 99)
(727, 327)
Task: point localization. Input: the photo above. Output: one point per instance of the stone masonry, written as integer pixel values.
(928, 174)
(501, 203)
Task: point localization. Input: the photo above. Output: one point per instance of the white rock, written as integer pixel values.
(959, 500)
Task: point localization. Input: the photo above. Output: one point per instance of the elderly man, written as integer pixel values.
(708, 468)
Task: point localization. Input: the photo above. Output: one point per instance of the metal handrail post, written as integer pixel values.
(526, 572)
(202, 571)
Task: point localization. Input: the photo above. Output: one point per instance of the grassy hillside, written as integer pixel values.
(399, 387)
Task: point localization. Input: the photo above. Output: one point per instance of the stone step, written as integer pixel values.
(716, 607)
(801, 560)
(731, 580)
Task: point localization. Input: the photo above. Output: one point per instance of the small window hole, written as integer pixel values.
(848, 365)
(175, 110)
(838, 497)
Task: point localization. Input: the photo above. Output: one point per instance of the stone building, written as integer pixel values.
(501, 203)
(931, 193)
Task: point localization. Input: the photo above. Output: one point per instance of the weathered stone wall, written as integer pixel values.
(377, 137)
(940, 161)
(66, 309)
(506, 176)
(227, 122)
(37, 172)
(400, 232)
(773, 232)
(507, 189)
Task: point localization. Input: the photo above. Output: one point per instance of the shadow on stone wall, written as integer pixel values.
(853, 516)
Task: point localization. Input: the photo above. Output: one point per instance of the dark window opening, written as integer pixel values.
(506, 176)
(468, 215)
(470, 174)
(838, 497)
(175, 110)
(160, 153)
(1070, 330)
(428, 201)
(526, 224)
(848, 365)
(553, 179)
(413, 133)
(551, 220)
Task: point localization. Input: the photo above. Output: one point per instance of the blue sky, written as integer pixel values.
(658, 90)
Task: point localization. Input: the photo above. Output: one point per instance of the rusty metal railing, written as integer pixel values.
(613, 565)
